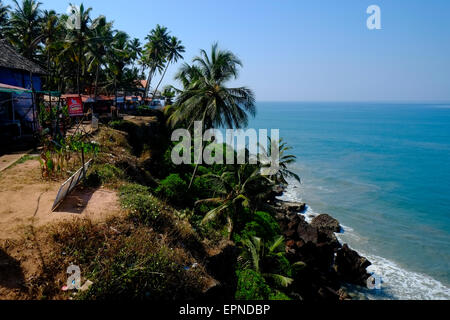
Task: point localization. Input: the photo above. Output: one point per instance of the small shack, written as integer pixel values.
(19, 78)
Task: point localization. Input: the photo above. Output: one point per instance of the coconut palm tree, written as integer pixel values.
(208, 99)
(168, 94)
(243, 187)
(258, 253)
(155, 52)
(80, 32)
(51, 34)
(25, 27)
(4, 18)
(98, 48)
(173, 54)
(285, 160)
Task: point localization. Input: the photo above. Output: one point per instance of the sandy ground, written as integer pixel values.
(7, 160)
(26, 200)
(25, 206)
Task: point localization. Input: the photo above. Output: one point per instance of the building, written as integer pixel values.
(18, 71)
(18, 77)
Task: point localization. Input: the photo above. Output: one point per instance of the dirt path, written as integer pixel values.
(26, 200)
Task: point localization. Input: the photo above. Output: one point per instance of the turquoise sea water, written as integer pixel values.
(383, 170)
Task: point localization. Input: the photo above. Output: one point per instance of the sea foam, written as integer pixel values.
(396, 282)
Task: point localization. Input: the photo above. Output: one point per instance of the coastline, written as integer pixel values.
(397, 283)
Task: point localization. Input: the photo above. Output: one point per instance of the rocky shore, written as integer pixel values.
(326, 264)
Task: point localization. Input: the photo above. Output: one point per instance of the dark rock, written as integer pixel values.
(278, 190)
(326, 223)
(307, 233)
(290, 207)
(351, 267)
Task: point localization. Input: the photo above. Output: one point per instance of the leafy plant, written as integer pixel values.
(172, 188)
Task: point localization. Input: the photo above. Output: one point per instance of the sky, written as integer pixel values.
(306, 50)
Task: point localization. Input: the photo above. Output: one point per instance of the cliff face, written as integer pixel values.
(326, 264)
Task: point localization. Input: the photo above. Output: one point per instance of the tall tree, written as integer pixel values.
(155, 53)
(208, 99)
(98, 49)
(51, 31)
(4, 18)
(25, 30)
(285, 160)
(80, 28)
(243, 187)
(173, 54)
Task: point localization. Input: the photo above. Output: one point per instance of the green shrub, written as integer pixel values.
(277, 264)
(142, 205)
(278, 296)
(104, 174)
(201, 188)
(173, 189)
(133, 188)
(251, 286)
(262, 225)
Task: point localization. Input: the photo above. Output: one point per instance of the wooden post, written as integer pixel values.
(82, 160)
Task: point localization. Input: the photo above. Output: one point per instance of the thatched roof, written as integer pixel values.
(11, 59)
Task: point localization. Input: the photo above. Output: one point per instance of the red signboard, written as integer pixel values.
(75, 106)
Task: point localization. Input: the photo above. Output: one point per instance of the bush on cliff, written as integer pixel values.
(172, 188)
(142, 205)
(101, 174)
(251, 286)
(261, 224)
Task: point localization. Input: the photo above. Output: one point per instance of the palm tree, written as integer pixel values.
(208, 99)
(285, 160)
(174, 50)
(257, 254)
(80, 31)
(50, 31)
(120, 55)
(243, 188)
(25, 31)
(155, 52)
(98, 48)
(135, 46)
(4, 18)
(168, 94)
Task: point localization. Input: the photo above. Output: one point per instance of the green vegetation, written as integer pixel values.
(142, 205)
(173, 213)
(105, 60)
(172, 188)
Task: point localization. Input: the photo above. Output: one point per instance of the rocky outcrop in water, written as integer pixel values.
(351, 267)
(326, 223)
(327, 264)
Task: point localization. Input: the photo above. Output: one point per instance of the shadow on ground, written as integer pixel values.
(77, 201)
(11, 274)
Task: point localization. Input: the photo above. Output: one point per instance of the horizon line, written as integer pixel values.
(360, 101)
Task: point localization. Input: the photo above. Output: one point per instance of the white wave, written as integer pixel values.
(397, 282)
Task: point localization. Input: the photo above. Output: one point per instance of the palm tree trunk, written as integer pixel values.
(149, 79)
(157, 87)
(201, 154)
(96, 81)
(79, 69)
(230, 227)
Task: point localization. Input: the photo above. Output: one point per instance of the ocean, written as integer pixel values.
(383, 170)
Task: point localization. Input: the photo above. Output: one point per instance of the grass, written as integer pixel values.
(124, 261)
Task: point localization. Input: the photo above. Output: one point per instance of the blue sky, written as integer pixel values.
(307, 50)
